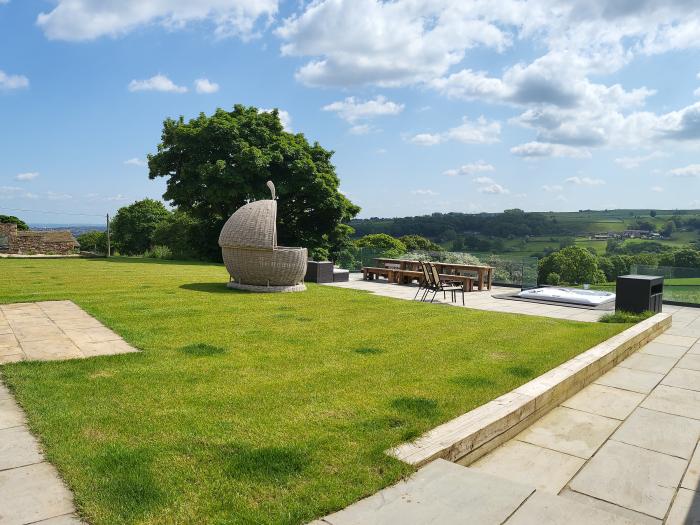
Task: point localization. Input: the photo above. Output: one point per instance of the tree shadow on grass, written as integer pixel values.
(126, 480)
(368, 350)
(416, 406)
(218, 287)
(520, 371)
(202, 350)
(264, 464)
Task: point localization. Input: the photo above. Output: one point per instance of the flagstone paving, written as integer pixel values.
(52, 330)
(624, 450)
(31, 492)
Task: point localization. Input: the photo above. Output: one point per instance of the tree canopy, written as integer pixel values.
(215, 164)
(11, 219)
(134, 225)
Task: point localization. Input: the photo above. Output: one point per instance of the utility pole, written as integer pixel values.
(109, 248)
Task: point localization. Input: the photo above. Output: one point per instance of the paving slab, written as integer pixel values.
(630, 379)
(663, 350)
(685, 509)
(51, 349)
(441, 492)
(689, 362)
(8, 340)
(33, 493)
(691, 480)
(682, 378)
(678, 340)
(570, 431)
(18, 448)
(649, 363)
(636, 517)
(605, 401)
(545, 509)
(672, 435)
(546, 470)
(11, 414)
(632, 477)
(672, 400)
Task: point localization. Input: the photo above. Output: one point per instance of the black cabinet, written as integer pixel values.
(639, 293)
(319, 272)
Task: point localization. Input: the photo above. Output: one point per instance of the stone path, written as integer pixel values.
(52, 330)
(30, 489)
(624, 450)
(483, 300)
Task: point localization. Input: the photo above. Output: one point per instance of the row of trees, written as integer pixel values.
(577, 265)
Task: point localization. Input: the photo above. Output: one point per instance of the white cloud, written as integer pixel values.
(424, 192)
(483, 180)
(136, 162)
(156, 83)
(480, 131)
(351, 109)
(12, 81)
(205, 87)
(585, 181)
(360, 129)
(657, 189)
(284, 116)
(544, 149)
(77, 20)
(494, 189)
(692, 170)
(469, 169)
(386, 43)
(629, 163)
(31, 175)
(552, 188)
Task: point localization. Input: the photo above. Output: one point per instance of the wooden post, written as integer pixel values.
(109, 248)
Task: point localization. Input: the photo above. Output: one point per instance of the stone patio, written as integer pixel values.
(483, 300)
(624, 450)
(52, 330)
(30, 489)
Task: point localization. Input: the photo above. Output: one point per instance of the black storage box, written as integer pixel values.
(639, 293)
(319, 272)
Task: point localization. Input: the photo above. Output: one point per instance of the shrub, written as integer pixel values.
(625, 317)
(319, 254)
(135, 224)
(385, 244)
(554, 278)
(574, 264)
(181, 233)
(94, 241)
(420, 243)
(159, 252)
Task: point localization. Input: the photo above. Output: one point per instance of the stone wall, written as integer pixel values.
(36, 242)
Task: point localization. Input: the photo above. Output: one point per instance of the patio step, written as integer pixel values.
(446, 493)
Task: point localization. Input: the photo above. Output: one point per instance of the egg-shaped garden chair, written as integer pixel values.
(248, 243)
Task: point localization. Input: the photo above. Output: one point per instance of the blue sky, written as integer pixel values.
(439, 105)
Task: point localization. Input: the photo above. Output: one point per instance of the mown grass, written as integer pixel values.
(253, 408)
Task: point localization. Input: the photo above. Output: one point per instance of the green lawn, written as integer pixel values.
(254, 408)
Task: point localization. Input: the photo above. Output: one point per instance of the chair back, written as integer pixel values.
(427, 276)
(435, 274)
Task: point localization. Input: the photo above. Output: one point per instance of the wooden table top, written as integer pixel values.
(444, 265)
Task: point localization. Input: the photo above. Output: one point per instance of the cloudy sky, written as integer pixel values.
(430, 105)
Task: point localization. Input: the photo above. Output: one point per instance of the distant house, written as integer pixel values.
(58, 242)
(640, 234)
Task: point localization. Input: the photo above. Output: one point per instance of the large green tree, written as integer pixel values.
(215, 164)
(134, 225)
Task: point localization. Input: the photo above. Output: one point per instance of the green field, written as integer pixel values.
(256, 408)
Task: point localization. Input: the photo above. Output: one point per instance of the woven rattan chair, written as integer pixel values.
(249, 248)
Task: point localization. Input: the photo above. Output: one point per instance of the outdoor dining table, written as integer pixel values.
(484, 273)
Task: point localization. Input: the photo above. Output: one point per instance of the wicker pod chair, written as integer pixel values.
(248, 243)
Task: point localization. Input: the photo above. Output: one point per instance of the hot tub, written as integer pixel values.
(569, 295)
